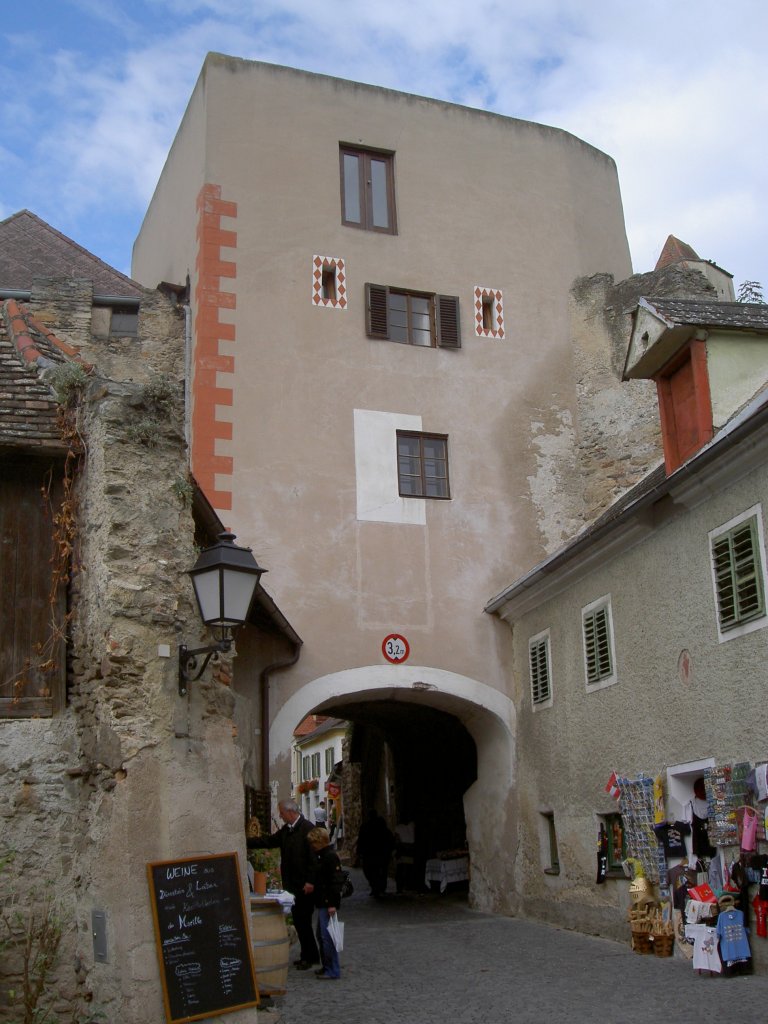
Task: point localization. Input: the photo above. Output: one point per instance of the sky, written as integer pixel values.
(92, 92)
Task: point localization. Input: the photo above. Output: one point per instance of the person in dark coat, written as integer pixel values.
(297, 868)
(374, 848)
(329, 880)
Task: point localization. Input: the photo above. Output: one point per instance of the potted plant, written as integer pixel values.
(266, 870)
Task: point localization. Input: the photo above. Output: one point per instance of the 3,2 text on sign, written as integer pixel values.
(395, 648)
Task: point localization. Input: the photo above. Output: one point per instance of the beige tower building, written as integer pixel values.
(387, 402)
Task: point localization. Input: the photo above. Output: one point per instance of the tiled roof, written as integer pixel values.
(30, 248)
(28, 411)
(708, 313)
(675, 251)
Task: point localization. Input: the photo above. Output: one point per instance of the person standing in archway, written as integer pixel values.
(297, 868)
(374, 848)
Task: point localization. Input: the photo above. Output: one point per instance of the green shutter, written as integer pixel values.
(539, 662)
(738, 575)
(597, 645)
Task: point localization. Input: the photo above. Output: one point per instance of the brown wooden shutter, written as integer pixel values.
(448, 321)
(26, 545)
(376, 323)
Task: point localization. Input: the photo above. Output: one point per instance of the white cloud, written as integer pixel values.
(674, 92)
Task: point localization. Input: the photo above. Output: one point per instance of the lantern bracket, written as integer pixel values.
(188, 661)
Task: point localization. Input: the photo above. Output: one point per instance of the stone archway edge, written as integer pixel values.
(462, 696)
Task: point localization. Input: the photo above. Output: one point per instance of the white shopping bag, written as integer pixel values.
(336, 931)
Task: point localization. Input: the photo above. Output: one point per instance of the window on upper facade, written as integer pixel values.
(316, 766)
(489, 312)
(599, 655)
(422, 465)
(33, 592)
(738, 570)
(124, 321)
(412, 318)
(540, 672)
(329, 286)
(306, 768)
(368, 189)
(329, 760)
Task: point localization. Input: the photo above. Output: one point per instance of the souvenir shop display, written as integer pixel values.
(692, 870)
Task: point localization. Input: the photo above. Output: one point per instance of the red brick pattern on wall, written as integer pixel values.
(210, 299)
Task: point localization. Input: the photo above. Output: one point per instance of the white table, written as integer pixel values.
(446, 871)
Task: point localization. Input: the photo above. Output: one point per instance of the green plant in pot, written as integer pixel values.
(265, 863)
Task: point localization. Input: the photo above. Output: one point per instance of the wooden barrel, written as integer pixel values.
(269, 939)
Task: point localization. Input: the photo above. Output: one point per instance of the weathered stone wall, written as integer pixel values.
(130, 772)
(618, 437)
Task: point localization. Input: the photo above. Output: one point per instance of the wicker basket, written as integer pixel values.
(641, 942)
(663, 945)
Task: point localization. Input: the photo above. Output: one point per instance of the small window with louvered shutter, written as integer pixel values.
(599, 655)
(412, 318)
(738, 571)
(540, 671)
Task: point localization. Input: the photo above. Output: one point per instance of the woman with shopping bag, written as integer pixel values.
(329, 879)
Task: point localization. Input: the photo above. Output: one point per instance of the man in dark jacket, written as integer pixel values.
(297, 868)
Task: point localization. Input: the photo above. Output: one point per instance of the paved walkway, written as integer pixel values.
(431, 960)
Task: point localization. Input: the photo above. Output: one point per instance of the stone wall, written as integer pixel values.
(618, 436)
(129, 772)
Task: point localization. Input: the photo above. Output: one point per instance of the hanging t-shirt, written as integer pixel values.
(671, 837)
(734, 944)
(705, 955)
(700, 837)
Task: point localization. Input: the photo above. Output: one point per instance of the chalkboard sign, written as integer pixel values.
(202, 939)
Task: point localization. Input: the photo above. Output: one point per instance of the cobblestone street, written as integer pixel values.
(431, 960)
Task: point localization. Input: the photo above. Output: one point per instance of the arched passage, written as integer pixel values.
(484, 714)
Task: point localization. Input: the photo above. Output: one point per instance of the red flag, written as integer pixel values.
(612, 786)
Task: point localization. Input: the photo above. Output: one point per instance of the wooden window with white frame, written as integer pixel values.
(422, 465)
(738, 572)
(599, 654)
(540, 670)
(316, 765)
(489, 312)
(329, 284)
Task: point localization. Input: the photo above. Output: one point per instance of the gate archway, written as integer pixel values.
(485, 715)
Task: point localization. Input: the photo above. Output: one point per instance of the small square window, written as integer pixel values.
(124, 322)
(738, 572)
(368, 189)
(329, 283)
(540, 672)
(599, 655)
(422, 465)
(489, 312)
